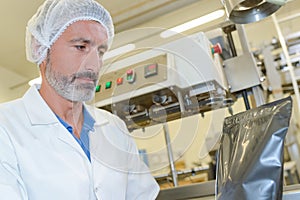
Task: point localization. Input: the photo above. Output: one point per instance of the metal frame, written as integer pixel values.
(206, 191)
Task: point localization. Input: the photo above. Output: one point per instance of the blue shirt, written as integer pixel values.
(88, 125)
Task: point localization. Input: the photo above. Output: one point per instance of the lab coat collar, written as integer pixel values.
(38, 111)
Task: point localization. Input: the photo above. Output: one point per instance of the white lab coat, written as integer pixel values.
(40, 160)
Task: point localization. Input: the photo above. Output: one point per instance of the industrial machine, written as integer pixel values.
(184, 77)
(178, 79)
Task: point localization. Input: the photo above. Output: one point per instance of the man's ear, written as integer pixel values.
(43, 64)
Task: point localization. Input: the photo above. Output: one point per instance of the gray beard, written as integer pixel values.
(66, 87)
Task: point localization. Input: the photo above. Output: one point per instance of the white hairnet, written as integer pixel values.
(54, 16)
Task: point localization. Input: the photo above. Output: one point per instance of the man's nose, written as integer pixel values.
(93, 60)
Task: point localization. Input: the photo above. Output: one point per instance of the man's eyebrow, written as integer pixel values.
(83, 40)
(87, 41)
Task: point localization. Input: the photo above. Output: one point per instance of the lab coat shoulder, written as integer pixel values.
(13, 118)
(11, 111)
(11, 184)
(31, 141)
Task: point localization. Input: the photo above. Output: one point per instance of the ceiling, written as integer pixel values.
(132, 19)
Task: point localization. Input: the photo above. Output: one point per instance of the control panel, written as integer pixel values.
(132, 77)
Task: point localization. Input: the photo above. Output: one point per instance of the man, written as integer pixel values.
(52, 145)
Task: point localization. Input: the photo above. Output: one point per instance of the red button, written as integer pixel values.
(216, 49)
(129, 72)
(119, 81)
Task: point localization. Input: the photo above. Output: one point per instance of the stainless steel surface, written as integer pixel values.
(185, 173)
(247, 11)
(258, 95)
(241, 72)
(206, 191)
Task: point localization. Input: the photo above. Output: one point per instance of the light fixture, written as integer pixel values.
(247, 11)
(119, 51)
(35, 81)
(193, 23)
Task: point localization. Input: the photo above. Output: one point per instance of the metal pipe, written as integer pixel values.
(181, 102)
(258, 95)
(246, 100)
(231, 44)
(243, 38)
(170, 155)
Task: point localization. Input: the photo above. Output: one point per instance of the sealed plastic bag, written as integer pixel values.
(250, 157)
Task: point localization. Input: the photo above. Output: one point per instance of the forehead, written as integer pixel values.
(88, 29)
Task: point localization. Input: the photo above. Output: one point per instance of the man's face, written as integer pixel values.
(75, 59)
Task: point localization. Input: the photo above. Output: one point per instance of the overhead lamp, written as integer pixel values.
(119, 51)
(247, 11)
(193, 23)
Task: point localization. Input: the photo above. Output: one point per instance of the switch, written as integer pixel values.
(108, 85)
(150, 70)
(130, 76)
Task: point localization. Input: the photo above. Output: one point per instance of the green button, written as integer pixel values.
(129, 77)
(98, 87)
(108, 85)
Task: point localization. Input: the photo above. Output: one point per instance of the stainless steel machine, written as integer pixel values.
(178, 79)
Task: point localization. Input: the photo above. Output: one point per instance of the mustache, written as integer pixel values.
(86, 74)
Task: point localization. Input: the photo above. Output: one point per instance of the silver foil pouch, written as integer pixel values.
(250, 157)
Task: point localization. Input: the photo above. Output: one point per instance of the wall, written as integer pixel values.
(12, 85)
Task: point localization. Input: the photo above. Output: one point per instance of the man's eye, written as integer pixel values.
(80, 47)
